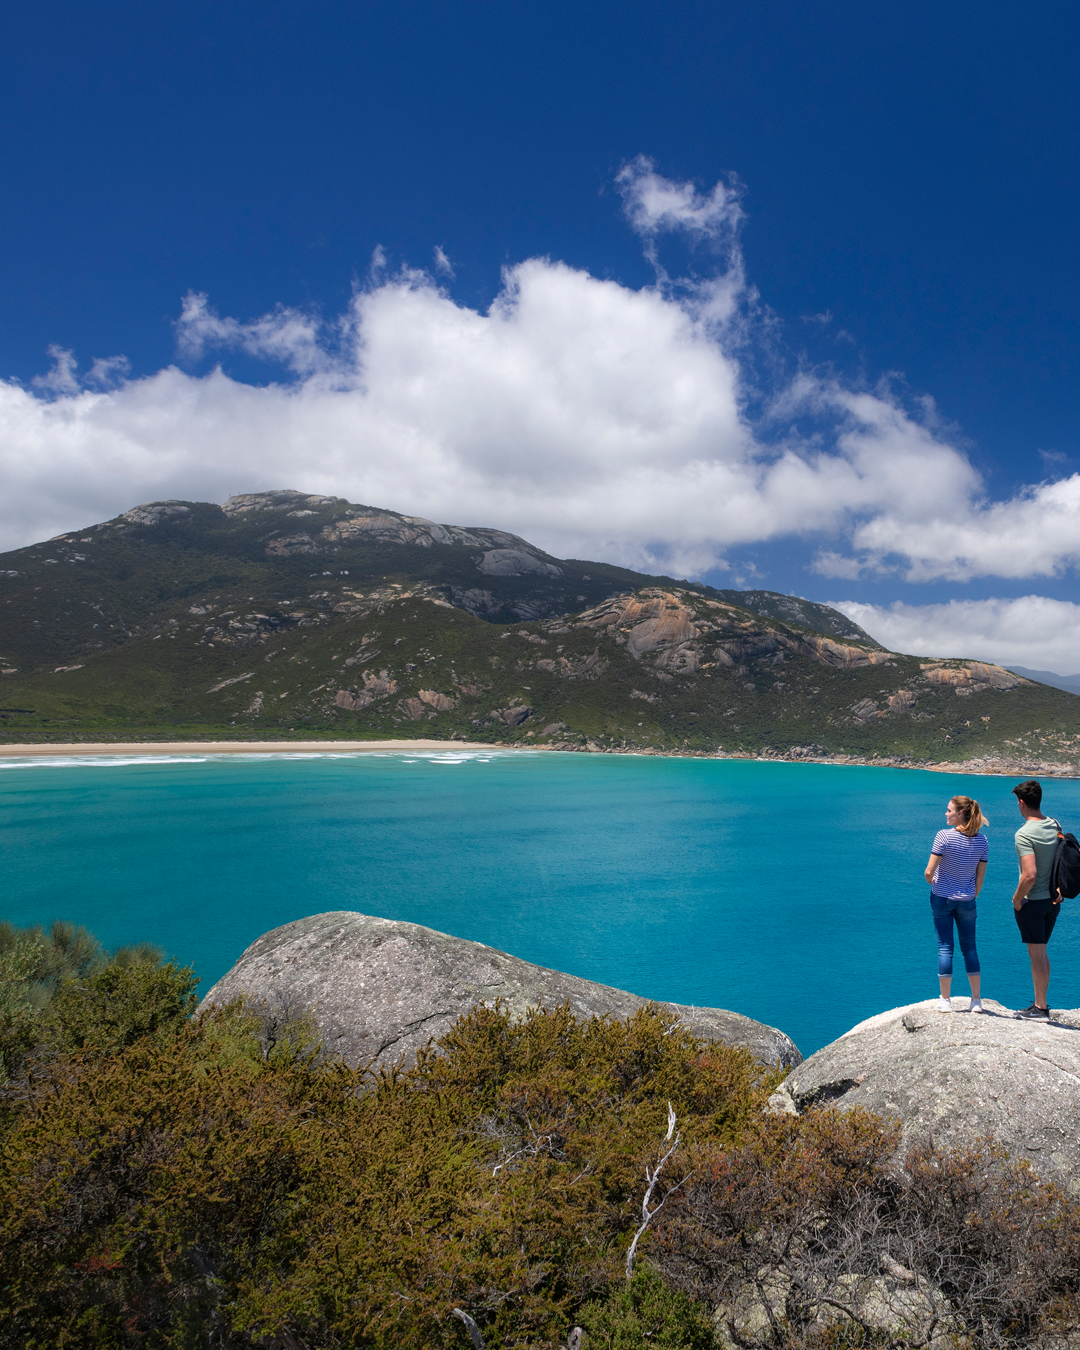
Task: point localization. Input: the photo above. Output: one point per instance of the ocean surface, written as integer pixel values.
(791, 893)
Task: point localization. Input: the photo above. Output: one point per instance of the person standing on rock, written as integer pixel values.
(1036, 911)
(955, 872)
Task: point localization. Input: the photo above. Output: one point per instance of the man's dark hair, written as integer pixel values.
(1030, 793)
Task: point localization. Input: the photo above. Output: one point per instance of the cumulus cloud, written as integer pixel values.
(1033, 631)
(1034, 533)
(597, 419)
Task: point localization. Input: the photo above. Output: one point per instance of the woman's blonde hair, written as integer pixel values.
(972, 817)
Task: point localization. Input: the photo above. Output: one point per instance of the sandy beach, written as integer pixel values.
(239, 747)
(988, 767)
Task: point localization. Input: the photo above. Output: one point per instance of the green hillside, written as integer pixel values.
(285, 616)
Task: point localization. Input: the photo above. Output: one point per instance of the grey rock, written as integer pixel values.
(150, 513)
(381, 988)
(514, 562)
(955, 1078)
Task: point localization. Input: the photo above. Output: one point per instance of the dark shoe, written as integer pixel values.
(1033, 1014)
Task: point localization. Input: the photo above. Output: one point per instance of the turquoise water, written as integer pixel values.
(792, 893)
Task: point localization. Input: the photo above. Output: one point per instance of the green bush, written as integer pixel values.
(121, 1003)
(646, 1314)
(61, 992)
(19, 961)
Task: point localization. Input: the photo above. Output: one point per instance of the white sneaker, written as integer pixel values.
(944, 1005)
(976, 1005)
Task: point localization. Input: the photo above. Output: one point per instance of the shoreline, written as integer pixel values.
(983, 767)
(38, 749)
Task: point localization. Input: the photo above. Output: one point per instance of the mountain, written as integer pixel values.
(287, 615)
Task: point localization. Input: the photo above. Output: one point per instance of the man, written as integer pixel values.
(1036, 910)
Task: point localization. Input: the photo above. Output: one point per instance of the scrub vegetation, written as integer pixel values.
(169, 1180)
(291, 617)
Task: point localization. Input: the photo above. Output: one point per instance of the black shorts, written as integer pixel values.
(1036, 920)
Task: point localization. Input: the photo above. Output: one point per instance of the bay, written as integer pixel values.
(792, 893)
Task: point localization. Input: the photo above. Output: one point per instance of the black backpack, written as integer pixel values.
(1065, 870)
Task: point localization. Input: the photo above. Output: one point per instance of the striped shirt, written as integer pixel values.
(960, 856)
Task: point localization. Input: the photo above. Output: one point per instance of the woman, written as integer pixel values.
(955, 872)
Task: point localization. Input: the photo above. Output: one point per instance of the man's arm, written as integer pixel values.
(1028, 870)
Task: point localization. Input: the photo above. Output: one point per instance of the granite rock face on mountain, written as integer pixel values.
(955, 1078)
(380, 988)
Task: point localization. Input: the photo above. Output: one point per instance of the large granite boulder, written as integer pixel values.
(957, 1077)
(380, 988)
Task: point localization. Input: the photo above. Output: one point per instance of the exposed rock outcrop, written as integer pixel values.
(150, 513)
(957, 1077)
(661, 626)
(381, 988)
(515, 562)
(970, 677)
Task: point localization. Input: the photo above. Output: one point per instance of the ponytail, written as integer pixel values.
(972, 817)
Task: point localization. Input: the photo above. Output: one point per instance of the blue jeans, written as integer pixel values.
(944, 912)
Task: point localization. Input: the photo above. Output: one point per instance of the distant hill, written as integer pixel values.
(1070, 683)
(286, 615)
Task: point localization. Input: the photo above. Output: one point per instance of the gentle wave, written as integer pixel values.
(126, 761)
(96, 761)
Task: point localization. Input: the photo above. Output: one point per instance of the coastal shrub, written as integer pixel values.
(170, 1180)
(131, 997)
(65, 951)
(181, 1190)
(503, 1175)
(806, 1235)
(646, 1314)
(132, 1177)
(61, 992)
(34, 963)
(19, 960)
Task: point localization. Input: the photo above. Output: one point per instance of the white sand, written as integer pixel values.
(242, 747)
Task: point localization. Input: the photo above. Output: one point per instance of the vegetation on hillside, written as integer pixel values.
(170, 1181)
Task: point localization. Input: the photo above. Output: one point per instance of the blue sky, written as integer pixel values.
(780, 295)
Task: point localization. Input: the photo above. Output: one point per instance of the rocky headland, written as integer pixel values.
(380, 989)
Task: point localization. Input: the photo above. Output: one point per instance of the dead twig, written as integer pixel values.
(471, 1328)
(652, 1176)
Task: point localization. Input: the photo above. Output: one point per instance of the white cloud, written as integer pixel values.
(61, 377)
(1033, 631)
(1034, 533)
(655, 205)
(287, 335)
(596, 419)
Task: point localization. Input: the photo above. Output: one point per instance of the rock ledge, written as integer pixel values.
(955, 1078)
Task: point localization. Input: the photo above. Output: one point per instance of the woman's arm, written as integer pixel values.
(932, 867)
(980, 872)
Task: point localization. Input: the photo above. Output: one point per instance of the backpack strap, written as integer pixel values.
(1061, 840)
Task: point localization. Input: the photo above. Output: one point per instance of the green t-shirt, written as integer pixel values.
(1041, 838)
